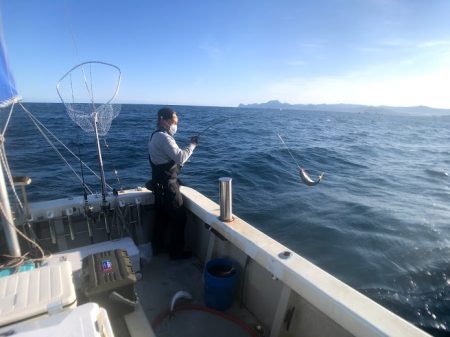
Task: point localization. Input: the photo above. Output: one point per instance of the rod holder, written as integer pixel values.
(225, 201)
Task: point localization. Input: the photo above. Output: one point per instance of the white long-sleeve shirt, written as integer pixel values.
(163, 148)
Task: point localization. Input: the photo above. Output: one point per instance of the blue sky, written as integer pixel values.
(222, 53)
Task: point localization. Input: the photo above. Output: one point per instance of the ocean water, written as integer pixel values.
(379, 221)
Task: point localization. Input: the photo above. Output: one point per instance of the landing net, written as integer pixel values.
(83, 116)
(87, 91)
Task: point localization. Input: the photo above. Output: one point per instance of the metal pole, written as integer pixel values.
(100, 160)
(225, 195)
(104, 206)
(7, 219)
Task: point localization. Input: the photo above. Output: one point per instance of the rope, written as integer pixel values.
(7, 121)
(35, 120)
(18, 260)
(54, 148)
(9, 175)
(5, 161)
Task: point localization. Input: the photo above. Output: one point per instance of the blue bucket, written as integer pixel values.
(220, 279)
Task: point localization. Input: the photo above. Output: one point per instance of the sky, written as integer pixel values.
(223, 53)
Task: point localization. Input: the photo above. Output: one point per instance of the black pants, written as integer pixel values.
(170, 217)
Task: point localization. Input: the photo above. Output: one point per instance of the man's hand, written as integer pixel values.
(194, 140)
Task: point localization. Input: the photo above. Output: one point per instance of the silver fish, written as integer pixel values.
(307, 180)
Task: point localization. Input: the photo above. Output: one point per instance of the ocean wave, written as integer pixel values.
(437, 173)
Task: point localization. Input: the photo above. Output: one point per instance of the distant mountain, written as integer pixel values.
(355, 108)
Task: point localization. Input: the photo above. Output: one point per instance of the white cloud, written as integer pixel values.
(429, 89)
(434, 44)
(421, 77)
(296, 63)
(397, 43)
(414, 44)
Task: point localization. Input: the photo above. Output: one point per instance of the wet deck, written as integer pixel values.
(162, 278)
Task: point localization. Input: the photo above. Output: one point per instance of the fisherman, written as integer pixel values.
(166, 160)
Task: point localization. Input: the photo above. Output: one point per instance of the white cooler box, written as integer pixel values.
(36, 292)
(87, 320)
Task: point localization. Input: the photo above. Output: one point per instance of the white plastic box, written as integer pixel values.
(36, 292)
(87, 320)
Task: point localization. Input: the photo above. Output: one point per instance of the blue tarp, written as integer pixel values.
(7, 86)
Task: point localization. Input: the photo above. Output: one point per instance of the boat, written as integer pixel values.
(271, 290)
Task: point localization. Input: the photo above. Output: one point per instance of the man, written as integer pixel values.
(166, 160)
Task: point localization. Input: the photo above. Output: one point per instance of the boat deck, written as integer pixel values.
(162, 278)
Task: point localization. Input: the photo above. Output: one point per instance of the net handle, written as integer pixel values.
(91, 62)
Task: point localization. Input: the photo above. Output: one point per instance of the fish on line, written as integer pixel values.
(303, 174)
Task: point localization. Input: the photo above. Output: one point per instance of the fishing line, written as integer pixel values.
(303, 174)
(70, 29)
(81, 168)
(213, 124)
(112, 162)
(77, 52)
(39, 124)
(287, 148)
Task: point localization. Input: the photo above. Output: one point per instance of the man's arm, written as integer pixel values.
(175, 153)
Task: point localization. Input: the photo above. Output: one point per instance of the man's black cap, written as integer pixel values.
(166, 113)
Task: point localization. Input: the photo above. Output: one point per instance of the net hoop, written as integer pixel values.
(116, 90)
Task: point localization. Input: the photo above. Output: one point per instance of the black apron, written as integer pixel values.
(165, 183)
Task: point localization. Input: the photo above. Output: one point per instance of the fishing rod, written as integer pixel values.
(303, 174)
(213, 124)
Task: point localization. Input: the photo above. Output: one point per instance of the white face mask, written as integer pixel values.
(173, 129)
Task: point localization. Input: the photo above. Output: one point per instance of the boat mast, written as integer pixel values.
(8, 96)
(7, 219)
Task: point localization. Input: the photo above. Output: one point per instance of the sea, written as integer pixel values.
(379, 221)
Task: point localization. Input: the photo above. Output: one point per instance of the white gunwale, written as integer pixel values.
(355, 312)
